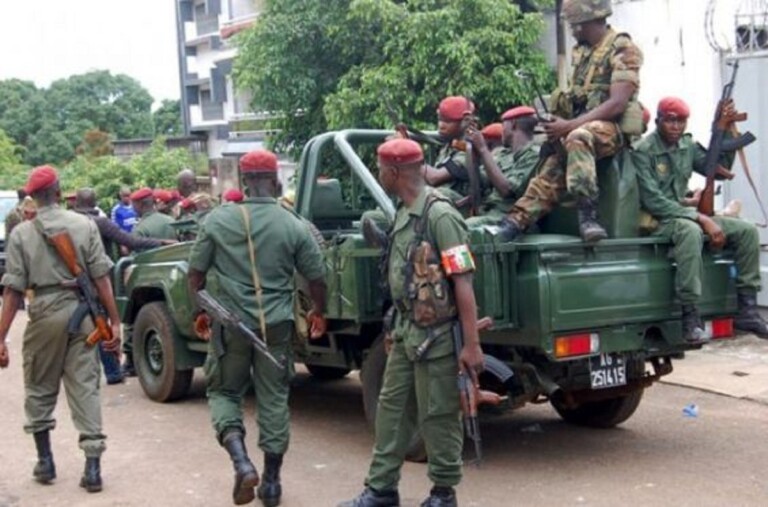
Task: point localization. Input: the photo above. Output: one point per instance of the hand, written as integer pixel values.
(389, 342)
(317, 324)
(113, 345)
(557, 128)
(168, 241)
(724, 173)
(203, 326)
(4, 356)
(476, 138)
(693, 201)
(711, 229)
(472, 362)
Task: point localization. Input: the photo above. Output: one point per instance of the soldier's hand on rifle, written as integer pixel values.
(203, 326)
(317, 324)
(693, 201)
(728, 114)
(4, 356)
(113, 345)
(557, 128)
(476, 138)
(722, 172)
(711, 229)
(472, 362)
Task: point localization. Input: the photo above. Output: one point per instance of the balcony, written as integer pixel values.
(206, 24)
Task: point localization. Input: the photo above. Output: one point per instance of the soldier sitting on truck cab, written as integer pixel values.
(665, 160)
(594, 119)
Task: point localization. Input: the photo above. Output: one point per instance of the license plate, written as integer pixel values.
(607, 370)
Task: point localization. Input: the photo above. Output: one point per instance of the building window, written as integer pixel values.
(206, 23)
(211, 110)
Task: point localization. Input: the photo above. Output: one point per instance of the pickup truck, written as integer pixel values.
(585, 327)
(8, 201)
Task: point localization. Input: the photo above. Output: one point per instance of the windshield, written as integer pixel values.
(6, 205)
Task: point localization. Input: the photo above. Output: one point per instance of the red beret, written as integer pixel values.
(646, 116)
(232, 195)
(454, 108)
(175, 195)
(672, 106)
(163, 195)
(41, 178)
(400, 151)
(142, 193)
(262, 161)
(518, 112)
(492, 132)
(186, 203)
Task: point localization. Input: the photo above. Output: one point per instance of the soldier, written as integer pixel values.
(422, 393)
(163, 201)
(232, 195)
(281, 244)
(16, 215)
(493, 135)
(151, 223)
(596, 116)
(449, 174)
(665, 160)
(509, 168)
(52, 355)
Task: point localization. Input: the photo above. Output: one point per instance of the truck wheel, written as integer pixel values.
(154, 356)
(601, 414)
(327, 372)
(372, 378)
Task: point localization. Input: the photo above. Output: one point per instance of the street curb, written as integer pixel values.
(713, 391)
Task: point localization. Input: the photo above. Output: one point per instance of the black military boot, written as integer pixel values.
(270, 490)
(375, 236)
(45, 469)
(509, 230)
(372, 498)
(91, 479)
(246, 476)
(590, 229)
(693, 331)
(749, 318)
(440, 496)
(128, 369)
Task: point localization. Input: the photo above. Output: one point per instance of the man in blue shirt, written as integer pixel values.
(123, 213)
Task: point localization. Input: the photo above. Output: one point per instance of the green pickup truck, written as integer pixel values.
(584, 327)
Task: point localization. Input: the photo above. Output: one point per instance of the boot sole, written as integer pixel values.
(44, 480)
(269, 502)
(244, 493)
(91, 488)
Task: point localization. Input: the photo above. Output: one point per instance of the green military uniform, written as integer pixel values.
(517, 167)
(12, 219)
(615, 59)
(155, 225)
(663, 173)
(50, 355)
(282, 243)
(423, 393)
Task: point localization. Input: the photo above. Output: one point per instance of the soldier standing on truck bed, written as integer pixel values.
(423, 393)
(595, 118)
(249, 246)
(508, 168)
(51, 353)
(665, 160)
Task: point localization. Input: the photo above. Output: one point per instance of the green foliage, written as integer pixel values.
(50, 123)
(12, 172)
(325, 64)
(167, 119)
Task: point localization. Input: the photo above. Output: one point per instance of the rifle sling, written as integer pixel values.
(747, 172)
(255, 273)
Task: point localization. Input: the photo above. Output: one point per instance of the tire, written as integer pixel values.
(327, 372)
(601, 414)
(154, 356)
(372, 378)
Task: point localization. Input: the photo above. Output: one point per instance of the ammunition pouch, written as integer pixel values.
(560, 103)
(429, 289)
(631, 122)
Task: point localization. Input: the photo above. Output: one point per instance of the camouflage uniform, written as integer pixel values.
(517, 167)
(155, 225)
(456, 189)
(663, 173)
(615, 59)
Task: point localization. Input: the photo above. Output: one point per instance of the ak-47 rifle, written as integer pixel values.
(471, 397)
(217, 312)
(408, 132)
(718, 144)
(89, 299)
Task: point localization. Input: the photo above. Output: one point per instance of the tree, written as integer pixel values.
(167, 119)
(95, 144)
(12, 173)
(350, 63)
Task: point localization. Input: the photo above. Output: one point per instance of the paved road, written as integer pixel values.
(165, 455)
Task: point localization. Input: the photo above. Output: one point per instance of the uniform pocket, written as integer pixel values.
(443, 387)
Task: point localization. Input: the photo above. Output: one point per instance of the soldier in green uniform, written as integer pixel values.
(449, 175)
(422, 393)
(665, 160)
(50, 354)
(15, 216)
(509, 167)
(152, 224)
(595, 118)
(281, 243)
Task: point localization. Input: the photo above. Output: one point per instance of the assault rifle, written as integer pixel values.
(217, 312)
(718, 144)
(89, 299)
